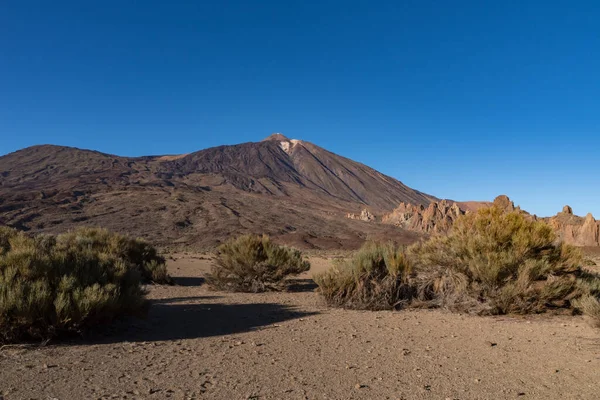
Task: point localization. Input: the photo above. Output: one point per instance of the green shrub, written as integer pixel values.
(376, 277)
(49, 286)
(492, 262)
(253, 263)
(135, 252)
(496, 262)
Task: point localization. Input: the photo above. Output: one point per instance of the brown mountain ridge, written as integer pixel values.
(291, 189)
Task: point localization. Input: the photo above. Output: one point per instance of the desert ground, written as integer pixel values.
(200, 344)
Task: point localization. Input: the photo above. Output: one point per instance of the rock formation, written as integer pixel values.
(504, 203)
(438, 217)
(365, 215)
(576, 230)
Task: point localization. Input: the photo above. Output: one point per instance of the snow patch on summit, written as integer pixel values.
(287, 146)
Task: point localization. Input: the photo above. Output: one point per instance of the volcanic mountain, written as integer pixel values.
(291, 189)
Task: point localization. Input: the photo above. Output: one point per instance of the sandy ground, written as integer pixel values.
(198, 344)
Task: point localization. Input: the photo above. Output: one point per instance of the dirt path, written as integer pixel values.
(198, 344)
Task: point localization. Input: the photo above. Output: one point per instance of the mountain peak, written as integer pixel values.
(276, 137)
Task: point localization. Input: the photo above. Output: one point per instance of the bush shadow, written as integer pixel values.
(301, 285)
(169, 300)
(188, 281)
(167, 320)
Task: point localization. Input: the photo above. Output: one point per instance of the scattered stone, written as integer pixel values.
(365, 215)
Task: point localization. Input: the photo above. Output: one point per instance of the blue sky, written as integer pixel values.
(463, 100)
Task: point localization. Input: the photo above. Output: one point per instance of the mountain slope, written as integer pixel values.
(291, 189)
(277, 163)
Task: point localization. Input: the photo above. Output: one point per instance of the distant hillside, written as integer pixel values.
(291, 189)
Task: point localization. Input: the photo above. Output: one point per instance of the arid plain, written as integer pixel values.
(200, 344)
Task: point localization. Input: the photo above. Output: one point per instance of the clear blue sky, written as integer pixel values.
(463, 100)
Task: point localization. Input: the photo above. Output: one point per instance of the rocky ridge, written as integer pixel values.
(439, 217)
(580, 231)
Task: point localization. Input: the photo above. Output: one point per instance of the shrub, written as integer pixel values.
(6, 234)
(375, 278)
(49, 286)
(253, 263)
(588, 262)
(497, 262)
(589, 302)
(135, 252)
(590, 306)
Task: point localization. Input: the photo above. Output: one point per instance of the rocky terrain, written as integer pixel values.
(365, 215)
(439, 217)
(293, 190)
(580, 231)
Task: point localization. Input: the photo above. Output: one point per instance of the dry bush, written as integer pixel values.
(496, 262)
(48, 286)
(588, 262)
(135, 252)
(590, 306)
(375, 278)
(6, 234)
(589, 302)
(253, 263)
